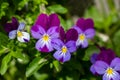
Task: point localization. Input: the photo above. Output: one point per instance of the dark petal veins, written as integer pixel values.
(26, 40)
(61, 59)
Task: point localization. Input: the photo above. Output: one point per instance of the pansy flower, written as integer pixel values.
(65, 45)
(109, 71)
(85, 29)
(106, 55)
(16, 29)
(45, 30)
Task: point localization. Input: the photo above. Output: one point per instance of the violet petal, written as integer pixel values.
(71, 45)
(54, 20)
(71, 34)
(42, 20)
(100, 67)
(78, 29)
(92, 69)
(85, 23)
(21, 26)
(85, 43)
(57, 44)
(37, 31)
(12, 34)
(15, 23)
(105, 77)
(62, 33)
(89, 33)
(93, 58)
(115, 64)
(52, 32)
(39, 44)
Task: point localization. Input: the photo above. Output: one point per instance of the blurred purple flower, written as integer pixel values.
(17, 29)
(46, 30)
(109, 71)
(85, 29)
(106, 55)
(65, 45)
(11, 26)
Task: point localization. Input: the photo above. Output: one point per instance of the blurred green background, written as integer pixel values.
(21, 61)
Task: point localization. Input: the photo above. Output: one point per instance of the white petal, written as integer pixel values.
(24, 38)
(78, 42)
(21, 26)
(12, 34)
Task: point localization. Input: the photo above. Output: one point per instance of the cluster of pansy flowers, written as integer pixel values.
(107, 64)
(52, 36)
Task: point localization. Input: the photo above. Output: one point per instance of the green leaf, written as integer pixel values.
(3, 39)
(3, 7)
(35, 65)
(58, 9)
(116, 41)
(40, 2)
(41, 76)
(4, 65)
(91, 50)
(18, 54)
(56, 65)
(3, 50)
(22, 4)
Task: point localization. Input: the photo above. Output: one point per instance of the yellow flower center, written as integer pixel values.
(19, 34)
(82, 37)
(110, 71)
(64, 49)
(46, 37)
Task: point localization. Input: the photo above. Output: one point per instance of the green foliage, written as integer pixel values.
(56, 65)
(35, 65)
(116, 41)
(57, 9)
(3, 8)
(3, 39)
(4, 64)
(91, 50)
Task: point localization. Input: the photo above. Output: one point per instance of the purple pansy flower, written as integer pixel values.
(17, 29)
(46, 30)
(65, 45)
(109, 71)
(106, 55)
(85, 29)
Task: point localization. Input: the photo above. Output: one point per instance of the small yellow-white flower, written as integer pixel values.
(22, 36)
